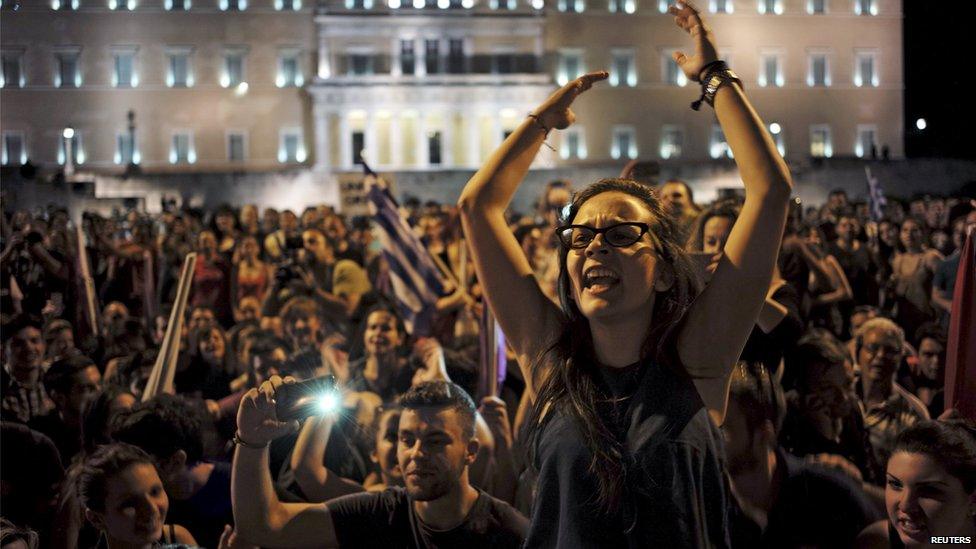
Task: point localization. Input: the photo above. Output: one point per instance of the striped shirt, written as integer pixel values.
(22, 402)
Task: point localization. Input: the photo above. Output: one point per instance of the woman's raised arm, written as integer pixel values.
(530, 321)
(720, 320)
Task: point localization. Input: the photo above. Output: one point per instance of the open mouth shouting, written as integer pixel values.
(599, 279)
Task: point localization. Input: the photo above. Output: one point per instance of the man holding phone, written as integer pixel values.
(437, 508)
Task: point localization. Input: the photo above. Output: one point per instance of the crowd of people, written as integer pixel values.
(754, 372)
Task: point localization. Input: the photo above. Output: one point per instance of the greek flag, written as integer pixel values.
(876, 197)
(417, 282)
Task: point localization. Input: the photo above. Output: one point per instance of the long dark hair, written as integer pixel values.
(573, 388)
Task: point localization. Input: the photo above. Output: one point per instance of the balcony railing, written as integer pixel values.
(352, 65)
(428, 7)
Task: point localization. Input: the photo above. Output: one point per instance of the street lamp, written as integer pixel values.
(69, 165)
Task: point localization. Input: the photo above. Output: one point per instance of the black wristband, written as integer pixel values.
(241, 442)
(716, 65)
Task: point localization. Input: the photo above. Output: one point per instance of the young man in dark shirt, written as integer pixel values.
(437, 508)
(783, 502)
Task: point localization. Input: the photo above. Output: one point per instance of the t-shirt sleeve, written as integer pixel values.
(514, 525)
(364, 520)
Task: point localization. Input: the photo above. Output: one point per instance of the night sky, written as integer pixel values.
(940, 70)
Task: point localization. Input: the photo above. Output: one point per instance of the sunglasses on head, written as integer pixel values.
(620, 235)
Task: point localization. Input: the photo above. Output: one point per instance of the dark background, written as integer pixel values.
(940, 69)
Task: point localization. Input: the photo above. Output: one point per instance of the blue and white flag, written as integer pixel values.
(416, 280)
(876, 197)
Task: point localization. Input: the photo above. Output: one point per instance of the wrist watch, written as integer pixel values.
(716, 80)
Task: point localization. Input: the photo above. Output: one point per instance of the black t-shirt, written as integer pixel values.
(387, 520)
(207, 511)
(815, 507)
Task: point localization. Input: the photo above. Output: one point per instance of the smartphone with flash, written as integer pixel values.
(312, 397)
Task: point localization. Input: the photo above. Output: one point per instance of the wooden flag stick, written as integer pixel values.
(87, 281)
(161, 378)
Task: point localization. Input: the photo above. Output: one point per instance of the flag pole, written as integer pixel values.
(161, 378)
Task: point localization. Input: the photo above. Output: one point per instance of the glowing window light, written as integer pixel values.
(443, 4)
(418, 4)
(775, 128)
(112, 4)
(394, 4)
(536, 4)
(630, 6)
(222, 5)
(224, 80)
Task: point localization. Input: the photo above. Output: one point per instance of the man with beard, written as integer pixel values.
(783, 502)
(887, 406)
(437, 508)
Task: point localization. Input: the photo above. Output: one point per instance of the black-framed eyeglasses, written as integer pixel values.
(620, 235)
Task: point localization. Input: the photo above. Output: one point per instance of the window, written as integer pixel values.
(866, 7)
(293, 5)
(13, 70)
(64, 4)
(360, 63)
(177, 5)
(663, 5)
(820, 142)
(720, 6)
(233, 70)
(408, 58)
(77, 151)
(291, 146)
(570, 65)
(718, 147)
(771, 69)
(122, 4)
(125, 149)
(289, 71)
(358, 144)
(455, 56)
(865, 69)
(818, 70)
(572, 6)
(68, 75)
(432, 50)
(503, 63)
(672, 139)
(493, 4)
(236, 5)
(572, 145)
(181, 149)
(434, 148)
(672, 72)
(236, 146)
(776, 131)
(867, 143)
(14, 151)
(816, 7)
(771, 7)
(124, 74)
(625, 6)
(622, 68)
(624, 142)
(180, 73)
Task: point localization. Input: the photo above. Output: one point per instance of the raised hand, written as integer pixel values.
(257, 420)
(687, 16)
(495, 412)
(555, 113)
